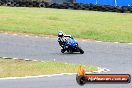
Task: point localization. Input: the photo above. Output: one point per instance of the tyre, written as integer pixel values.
(42, 5)
(62, 50)
(80, 50)
(81, 80)
(17, 5)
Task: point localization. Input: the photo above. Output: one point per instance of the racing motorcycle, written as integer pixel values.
(71, 45)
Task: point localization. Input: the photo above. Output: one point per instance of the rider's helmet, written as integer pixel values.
(60, 34)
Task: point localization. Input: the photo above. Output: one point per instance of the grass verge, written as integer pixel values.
(104, 26)
(20, 68)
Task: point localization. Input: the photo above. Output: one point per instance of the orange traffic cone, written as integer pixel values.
(81, 70)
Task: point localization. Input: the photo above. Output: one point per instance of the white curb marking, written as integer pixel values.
(15, 58)
(65, 63)
(84, 40)
(15, 34)
(116, 42)
(34, 60)
(4, 57)
(61, 74)
(36, 36)
(98, 41)
(102, 70)
(130, 43)
(26, 35)
(6, 33)
(39, 76)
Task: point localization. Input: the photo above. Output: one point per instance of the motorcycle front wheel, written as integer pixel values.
(62, 50)
(80, 50)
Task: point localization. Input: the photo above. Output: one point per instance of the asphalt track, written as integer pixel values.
(115, 56)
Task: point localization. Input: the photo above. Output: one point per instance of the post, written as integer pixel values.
(115, 3)
(96, 2)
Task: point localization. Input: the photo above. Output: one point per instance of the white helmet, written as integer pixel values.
(60, 34)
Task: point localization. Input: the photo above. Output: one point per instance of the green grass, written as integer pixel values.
(20, 68)
(105, 26)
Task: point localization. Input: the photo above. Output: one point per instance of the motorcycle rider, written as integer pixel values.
(62, 38)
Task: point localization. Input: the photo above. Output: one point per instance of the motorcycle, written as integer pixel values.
(71, 45)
